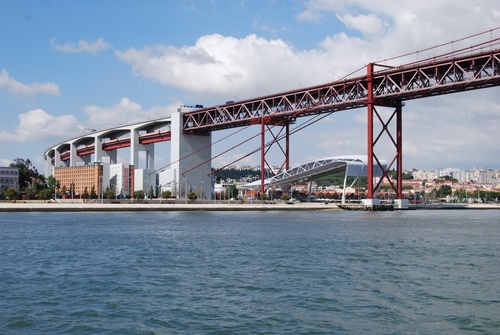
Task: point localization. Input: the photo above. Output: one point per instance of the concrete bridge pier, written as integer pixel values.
(190, 157)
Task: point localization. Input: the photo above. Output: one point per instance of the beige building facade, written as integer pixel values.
(77, 179)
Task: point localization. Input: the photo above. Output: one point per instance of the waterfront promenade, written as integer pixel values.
(39, 206)
(47, 206)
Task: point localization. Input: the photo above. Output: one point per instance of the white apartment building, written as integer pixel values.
(9, 178)
(119, 179)
(424, 174)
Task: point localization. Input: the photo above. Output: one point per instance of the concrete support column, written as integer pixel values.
(73, 156)
(48, 163)
(97, 149)
(134, 148)
(57, 158)
(191, 155)
(112, 156)
(150, 156)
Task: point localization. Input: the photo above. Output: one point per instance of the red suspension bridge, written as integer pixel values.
(379, 89)
(383, 86)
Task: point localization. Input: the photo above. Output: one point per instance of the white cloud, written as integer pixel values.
(229, 68)
(15, 87)
(315, 9)
(124, 112)
(226, 67)
(37, 125)
(367, 24)
(81, 46)
(5, 162)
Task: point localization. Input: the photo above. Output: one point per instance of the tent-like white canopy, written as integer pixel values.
(354, 166)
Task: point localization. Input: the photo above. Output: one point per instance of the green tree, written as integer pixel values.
(109, 194)
(138, 195)
(192, 196)
(30, 190)
(166, 194)
(11, 193)
(93, 193)
(72, 188)
(233, 191)
(45, 194)
(285, 197)
(404, 175)
(85, 193)
(443, 191)
(28, 174)
(51, 182)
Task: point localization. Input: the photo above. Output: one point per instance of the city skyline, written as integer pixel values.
(62, 74)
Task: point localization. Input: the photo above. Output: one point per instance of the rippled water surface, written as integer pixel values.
(405, 272)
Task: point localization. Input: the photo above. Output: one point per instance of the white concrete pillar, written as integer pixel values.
(190, 156)
(57, 158)
(150, 156)
(97, 148)
(134, 148)
(48, 162)
(113, 154)
(74, 158)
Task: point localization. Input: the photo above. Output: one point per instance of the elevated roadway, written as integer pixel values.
(382, 86)
(432, 77)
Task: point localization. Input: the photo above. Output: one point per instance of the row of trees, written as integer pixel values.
(31, 182)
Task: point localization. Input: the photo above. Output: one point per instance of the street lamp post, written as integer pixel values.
(102, 191)
(185, 190)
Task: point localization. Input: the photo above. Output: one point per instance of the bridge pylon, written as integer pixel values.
(393, 129)
(268, 125)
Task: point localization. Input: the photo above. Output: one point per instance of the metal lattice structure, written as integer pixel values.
(354, 166)
(412, 81)
(388, 87)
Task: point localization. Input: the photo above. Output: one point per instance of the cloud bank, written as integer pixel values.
(15, 87)
(81, 47)
(37, 125)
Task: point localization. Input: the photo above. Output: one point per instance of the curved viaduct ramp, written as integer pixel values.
(107, 141)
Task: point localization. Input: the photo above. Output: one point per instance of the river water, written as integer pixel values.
(276, 272)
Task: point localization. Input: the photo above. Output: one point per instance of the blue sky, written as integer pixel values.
(67, 66)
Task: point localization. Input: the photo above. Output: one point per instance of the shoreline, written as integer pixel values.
(152, 207)
(44, 206)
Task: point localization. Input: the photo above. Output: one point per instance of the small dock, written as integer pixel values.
(363, 207)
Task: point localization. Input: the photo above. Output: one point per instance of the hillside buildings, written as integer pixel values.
(123, 180)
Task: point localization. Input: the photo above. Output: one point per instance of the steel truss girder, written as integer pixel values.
(265, 147)
(372, 139)
(412, 81)
(434, 78)
(396, 161)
